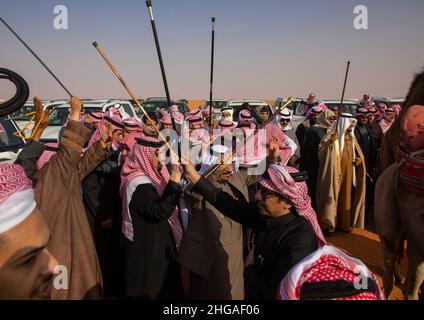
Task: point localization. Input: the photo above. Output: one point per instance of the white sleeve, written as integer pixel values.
(292, 145)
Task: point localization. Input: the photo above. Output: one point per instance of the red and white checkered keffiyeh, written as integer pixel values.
(245, 118)
(207, 111)
(46, 155)
(165, 119)
(96, 134)
(296, 192)
(225, 127)
(385, 122)
(16, 196)
(397, 109)
(138, 164)
(178, 116)
(328, 264)
(195, 118)
(93, 117)
(132, 125)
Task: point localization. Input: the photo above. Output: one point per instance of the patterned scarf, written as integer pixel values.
(282, 183)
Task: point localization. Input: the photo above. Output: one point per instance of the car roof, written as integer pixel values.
(347, 101)
(156, 98)
(240, 102)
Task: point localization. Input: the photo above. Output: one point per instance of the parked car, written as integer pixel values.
(154, 104)
(58, 117)
(378, 100)
(399, 101)
(10, 145)
(22, 118)
(254, 104)
(281, 101)
(349, 106)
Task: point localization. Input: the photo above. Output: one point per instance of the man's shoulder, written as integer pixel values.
(301, 231)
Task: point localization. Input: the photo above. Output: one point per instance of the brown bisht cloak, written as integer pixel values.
(58, 196)
(329, 181)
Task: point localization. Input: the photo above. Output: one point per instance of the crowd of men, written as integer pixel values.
(119, 210)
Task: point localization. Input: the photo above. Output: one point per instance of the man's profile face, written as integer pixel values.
(26, 266)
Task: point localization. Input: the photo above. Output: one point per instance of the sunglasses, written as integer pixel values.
(285, 120)
(266, 194)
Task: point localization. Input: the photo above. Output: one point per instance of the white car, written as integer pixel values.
(349, 106)
(254, 104)
(59, 115)
(22, 119)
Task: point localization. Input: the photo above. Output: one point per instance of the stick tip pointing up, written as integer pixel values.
(149, 3)
(95, 44)
(213, 19)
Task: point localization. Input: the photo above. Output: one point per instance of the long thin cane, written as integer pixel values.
(37, 57)
(343, 94)
(162, 68)
(116, 73)
(211, 83)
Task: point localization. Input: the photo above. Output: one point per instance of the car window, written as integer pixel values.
(153, 106)
(20, 114)
(298, 110)
(128, 109)
(7, 139)
(58, 117)
(91, 109)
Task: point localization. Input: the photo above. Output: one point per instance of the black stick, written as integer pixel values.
(211, 83)
(343, 94)
(165, 82)
(35, 55)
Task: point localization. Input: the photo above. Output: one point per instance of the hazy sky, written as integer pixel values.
(263, 48)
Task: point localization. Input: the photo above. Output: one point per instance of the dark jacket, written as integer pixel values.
(309, 160)
(280, 242)
(151, 268)
(367, 142)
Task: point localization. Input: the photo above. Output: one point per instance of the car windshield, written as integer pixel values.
(7, 139)
(217, 104)
(21, 114)
(58, 117)
(153, 106)
(91, 109)
(347, 107)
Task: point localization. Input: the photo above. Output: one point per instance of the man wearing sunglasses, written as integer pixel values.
(284, 223)
(285, 122)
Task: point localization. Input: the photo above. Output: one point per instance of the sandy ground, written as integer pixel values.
(365, 246)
